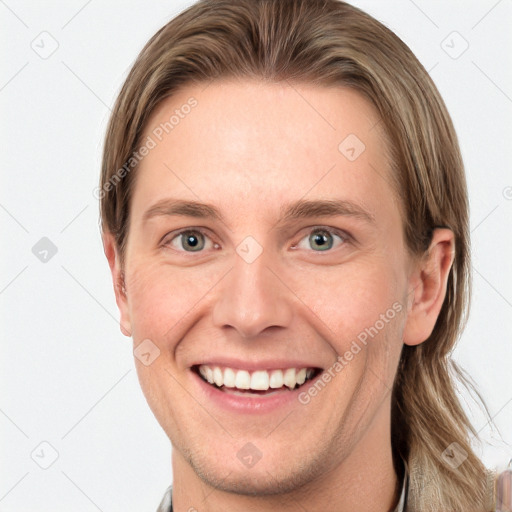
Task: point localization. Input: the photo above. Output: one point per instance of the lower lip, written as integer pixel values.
(250, 404)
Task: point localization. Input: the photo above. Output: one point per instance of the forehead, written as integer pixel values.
(240, 142)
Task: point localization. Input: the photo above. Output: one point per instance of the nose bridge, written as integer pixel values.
(252, 297)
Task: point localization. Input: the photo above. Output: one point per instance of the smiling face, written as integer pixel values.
(297, 261)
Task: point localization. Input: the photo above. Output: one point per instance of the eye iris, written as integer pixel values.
(321, 238)
(195, 242)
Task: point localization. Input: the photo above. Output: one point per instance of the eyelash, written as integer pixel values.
(345, 237)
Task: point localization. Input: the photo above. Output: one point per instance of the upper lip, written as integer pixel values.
(262, 364)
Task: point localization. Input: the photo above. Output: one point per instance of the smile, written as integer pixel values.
(259, 381)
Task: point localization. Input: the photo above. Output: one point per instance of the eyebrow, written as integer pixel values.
(324, 208)
(300, 209)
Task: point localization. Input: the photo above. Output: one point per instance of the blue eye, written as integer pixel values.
(322, 239)
(191, 240)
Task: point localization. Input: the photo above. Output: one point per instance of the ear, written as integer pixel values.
(427, 287)
(114, 261)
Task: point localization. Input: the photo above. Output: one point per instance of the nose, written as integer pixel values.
(253, 298)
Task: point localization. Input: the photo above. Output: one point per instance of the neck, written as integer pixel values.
(364, 480)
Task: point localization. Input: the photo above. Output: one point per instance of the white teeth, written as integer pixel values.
(229, 378)
(242, 379)
(276, 379)
(289, 378)
(260, 380)
(301, 376)
(217, 376)
(207, 373)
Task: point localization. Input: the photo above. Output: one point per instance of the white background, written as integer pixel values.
(67, 372)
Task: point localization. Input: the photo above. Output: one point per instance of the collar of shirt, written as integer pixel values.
(166, 503)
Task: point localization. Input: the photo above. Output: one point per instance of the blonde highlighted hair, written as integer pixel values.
(329, 43)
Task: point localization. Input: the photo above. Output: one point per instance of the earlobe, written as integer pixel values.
(428, 284)
(118, 280)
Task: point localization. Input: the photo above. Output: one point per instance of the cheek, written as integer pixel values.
(351, 298)
(162, 297)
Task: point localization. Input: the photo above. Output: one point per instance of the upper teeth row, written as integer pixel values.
(257, 380)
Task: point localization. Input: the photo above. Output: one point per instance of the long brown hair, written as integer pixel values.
(329, 42)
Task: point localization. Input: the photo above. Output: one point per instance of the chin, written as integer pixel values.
(265, 478)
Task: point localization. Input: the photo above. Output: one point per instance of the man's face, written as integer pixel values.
(250, 296)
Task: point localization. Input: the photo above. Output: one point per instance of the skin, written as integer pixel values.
(293, 301)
